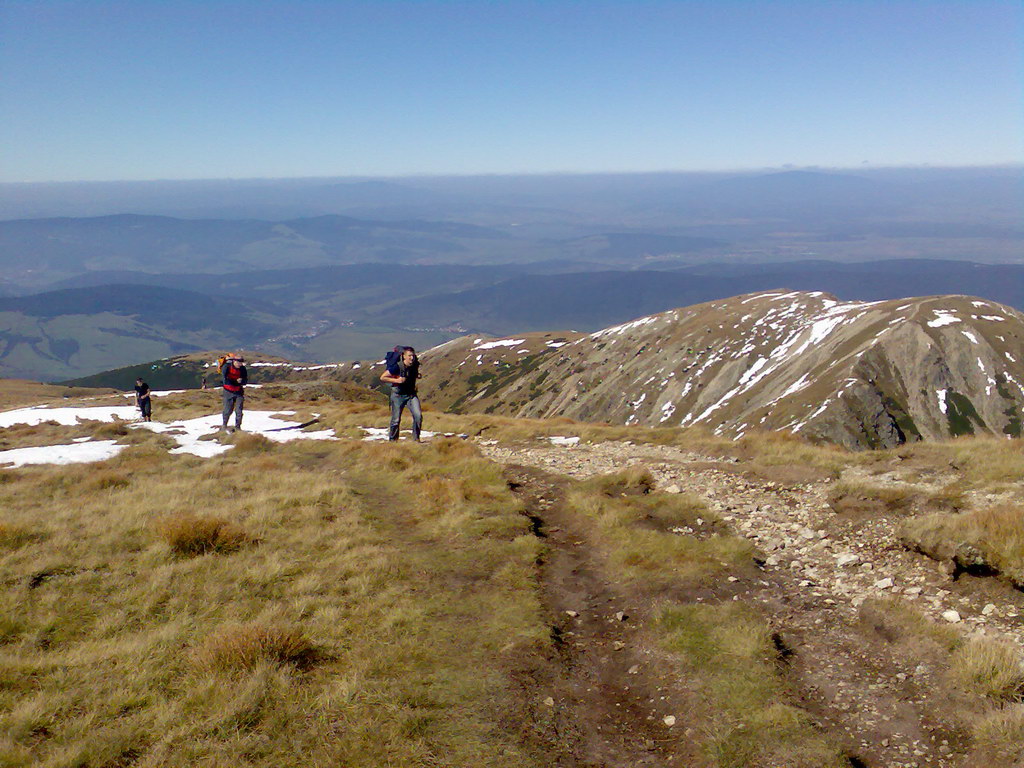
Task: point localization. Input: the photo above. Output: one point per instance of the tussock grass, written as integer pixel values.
(989, 668)
(246, 646)
(991, 538)
(105, 478)
(728, 649)
(635, 479)
(858, 496)
(900, 622)
(187, 534)
(951, 497)
(248, 443)
(999, 733)
(13, 536)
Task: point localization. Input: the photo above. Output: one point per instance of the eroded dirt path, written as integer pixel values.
(607, 702)
(870, 689)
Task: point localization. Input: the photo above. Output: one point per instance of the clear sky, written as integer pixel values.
(95, 90)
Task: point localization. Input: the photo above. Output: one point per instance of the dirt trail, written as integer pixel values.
(883, 700)
(607, 704)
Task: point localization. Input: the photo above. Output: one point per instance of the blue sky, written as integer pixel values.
(93, 90)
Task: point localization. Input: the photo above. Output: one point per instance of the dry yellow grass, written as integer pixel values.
(115, 651)
(246, 646)
(187, 534)
(989, 668)
(989, 538)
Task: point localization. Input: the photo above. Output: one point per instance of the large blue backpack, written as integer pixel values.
(393, 358)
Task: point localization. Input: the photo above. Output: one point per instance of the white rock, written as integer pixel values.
(951, 616)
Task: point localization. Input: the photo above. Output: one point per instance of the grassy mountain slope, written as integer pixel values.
(859, 374)
(59, 334)
(503, 601)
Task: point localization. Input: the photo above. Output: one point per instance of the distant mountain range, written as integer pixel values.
(327, 314)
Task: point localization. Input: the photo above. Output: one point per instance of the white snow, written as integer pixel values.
(501, 343)
(77, 453)
(374, 434)
(560, 440)
(185, 433)
(188, 434)
(158, 393)
(616, 329)
(942, 318)
(667, 410)
(68, 416)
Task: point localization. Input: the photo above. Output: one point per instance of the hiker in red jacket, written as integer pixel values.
(235, 378)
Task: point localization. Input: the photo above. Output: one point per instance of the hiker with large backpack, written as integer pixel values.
(235, 377)
(401, 371)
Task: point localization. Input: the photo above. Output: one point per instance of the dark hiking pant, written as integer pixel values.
(233, 401)
(398, 403)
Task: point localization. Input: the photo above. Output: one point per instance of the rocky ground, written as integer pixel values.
(879, 694)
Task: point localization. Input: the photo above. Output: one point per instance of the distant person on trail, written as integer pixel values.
(235, 378)
(142, 399)
(403, 393)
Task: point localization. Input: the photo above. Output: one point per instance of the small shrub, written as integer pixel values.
(188, 534)
(989, 668)
(244, 646)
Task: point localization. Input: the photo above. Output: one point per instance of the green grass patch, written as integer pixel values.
(729, 650)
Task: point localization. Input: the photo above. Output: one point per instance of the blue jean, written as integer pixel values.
(398, 402)
(233, 401)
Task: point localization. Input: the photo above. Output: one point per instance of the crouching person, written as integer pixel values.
(235, 377)
(403, 393)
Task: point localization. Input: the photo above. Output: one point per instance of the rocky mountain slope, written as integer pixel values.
(859, 374)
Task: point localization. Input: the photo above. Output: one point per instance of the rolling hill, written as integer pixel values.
(59, 334)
